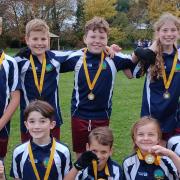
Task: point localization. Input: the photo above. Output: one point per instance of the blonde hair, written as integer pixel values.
(97, 23)
(142, 122)
(155, 70)
(36, 25)
(103, 135)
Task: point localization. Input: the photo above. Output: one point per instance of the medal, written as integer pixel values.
(166, 95)
(91, 96)
(167, 82)
(91, 85)
(149, 159)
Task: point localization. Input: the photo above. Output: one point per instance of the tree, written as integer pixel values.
(103, 8)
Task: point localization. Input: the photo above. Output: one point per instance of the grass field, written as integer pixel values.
(125, 110)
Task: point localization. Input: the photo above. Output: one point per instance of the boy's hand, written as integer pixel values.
(85, 160)
(147, 56)
(115, 48)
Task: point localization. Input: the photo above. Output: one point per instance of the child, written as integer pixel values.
(143, 164)
(95, 73)
(96, 162)
(161, 89)
(39, 72)
(174, 144)
(42, 157)
(9, 96)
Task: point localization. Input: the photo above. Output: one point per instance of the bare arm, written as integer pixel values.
(167, 152)
(2, 176)
(14, 102)
(72, 174)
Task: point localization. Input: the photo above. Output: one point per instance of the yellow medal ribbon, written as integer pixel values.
(167, 83)
(2, 57)
(94, 163)
(141, 157)
(39, 85)
(91, 85)
(49, 163)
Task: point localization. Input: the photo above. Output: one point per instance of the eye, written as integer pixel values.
(31, 121)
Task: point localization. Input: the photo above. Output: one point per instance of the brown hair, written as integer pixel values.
(141, 122)
(155, 70)
(40, 106)
(36, 25)
(103, 135)
(97, 23)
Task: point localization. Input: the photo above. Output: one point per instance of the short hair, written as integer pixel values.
(40, 106)
(141, 122)
(103, 135)
(36, 25)
(97, 23)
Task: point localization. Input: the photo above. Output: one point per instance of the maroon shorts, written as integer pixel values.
(81, 129)
(54, 132)
(166, 136)
(3, 147)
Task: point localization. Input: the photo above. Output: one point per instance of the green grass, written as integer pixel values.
(125, 110)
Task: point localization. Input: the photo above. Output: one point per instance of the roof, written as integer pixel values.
(53, 35)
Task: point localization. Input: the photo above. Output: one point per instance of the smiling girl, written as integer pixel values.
(143, 164)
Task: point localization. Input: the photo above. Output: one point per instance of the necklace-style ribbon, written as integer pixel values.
(95, 169)
(39, 85)
(2, 57)
(49, 163)
(91, 85)
(167, 82)
(142, 157)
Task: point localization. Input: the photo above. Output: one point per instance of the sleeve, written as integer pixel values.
(15, 171)
(126, 175)
(13, 78)
(123, 61)
(68, 164)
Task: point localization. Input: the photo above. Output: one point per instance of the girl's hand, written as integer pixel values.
(160, 150)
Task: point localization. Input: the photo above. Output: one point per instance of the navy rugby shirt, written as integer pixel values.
(100, 107)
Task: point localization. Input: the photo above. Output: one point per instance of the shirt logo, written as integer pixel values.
(159, 174)
(177, 67)
(143, 174)
(49, 67)
(104, 65)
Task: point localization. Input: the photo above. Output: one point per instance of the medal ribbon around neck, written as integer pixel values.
(2, 57)
(167, 82)
(141, 157)
(39, 85)
(49, 163)
(91, 85)
(94, 163)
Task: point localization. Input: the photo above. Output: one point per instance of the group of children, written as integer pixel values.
(33, 75)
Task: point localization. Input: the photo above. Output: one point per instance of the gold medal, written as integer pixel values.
(149, 159)
(166, 95)
(91, 96)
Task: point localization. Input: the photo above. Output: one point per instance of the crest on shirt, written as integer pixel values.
(177, 67)
(104, 65)
(158, 174)
(45, 162)
(49, 67)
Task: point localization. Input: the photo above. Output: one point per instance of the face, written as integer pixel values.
(39, 127)
(96, 41)
(38, 42)
(168, 34)
(146, 137)
(101, 151)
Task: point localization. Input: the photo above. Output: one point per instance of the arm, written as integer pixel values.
(2, 176)
(167, 152)
(82, 163)
(14, 102)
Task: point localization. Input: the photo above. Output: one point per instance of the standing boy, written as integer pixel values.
(96, 162)
(95, 73)
(42, 157)
(39, 72)
(9, 96)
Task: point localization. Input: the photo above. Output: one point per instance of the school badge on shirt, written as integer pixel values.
(49, 67)
(177, 69)
(104, 66)
(158, 174)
